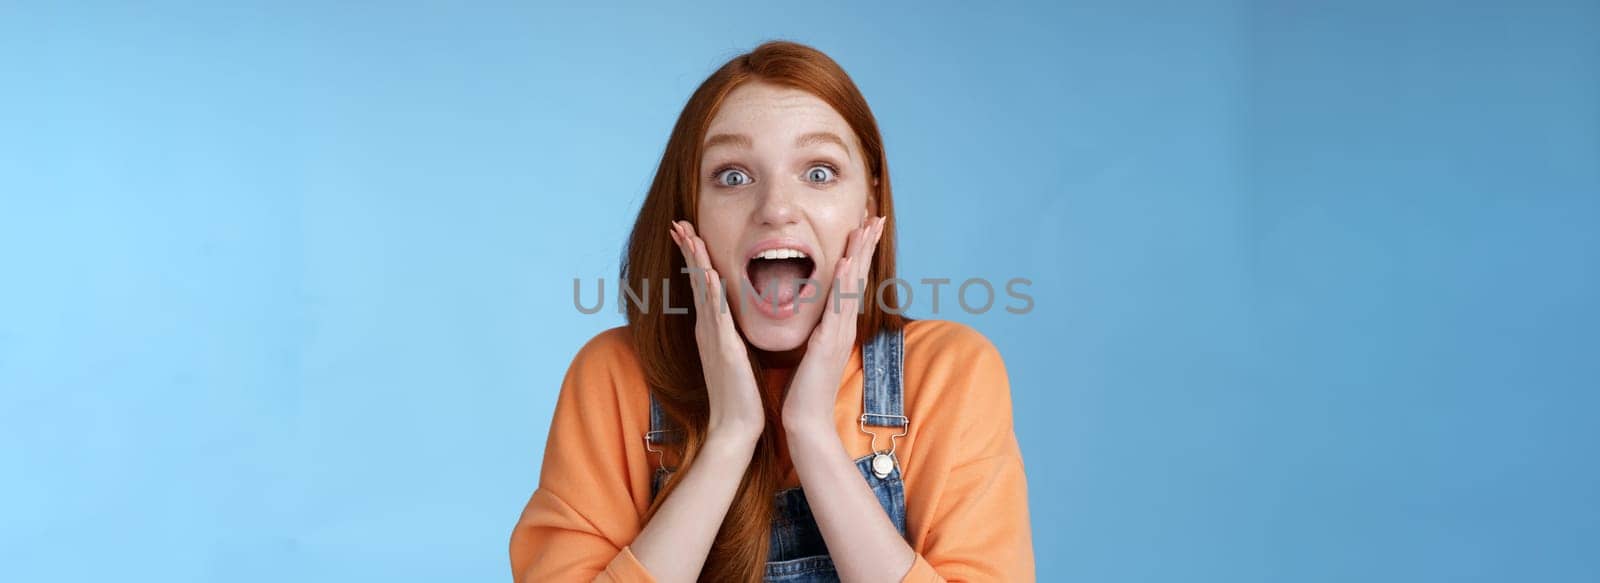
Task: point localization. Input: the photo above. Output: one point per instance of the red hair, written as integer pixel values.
(665, 342)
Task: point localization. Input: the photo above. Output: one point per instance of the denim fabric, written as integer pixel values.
(796, 552)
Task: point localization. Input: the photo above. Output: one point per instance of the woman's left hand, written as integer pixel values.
(816, 382)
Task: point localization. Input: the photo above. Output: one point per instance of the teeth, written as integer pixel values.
(781, 254)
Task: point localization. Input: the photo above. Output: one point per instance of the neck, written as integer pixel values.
(787, 359)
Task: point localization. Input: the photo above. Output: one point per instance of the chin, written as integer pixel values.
(779, 335)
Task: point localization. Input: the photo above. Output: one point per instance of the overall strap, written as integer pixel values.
(662, 430)
(882, 368)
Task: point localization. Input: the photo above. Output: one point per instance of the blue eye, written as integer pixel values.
(732, 177)
(820, 174)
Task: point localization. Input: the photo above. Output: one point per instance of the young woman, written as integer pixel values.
(780, 429)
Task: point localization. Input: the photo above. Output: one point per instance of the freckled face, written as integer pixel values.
(782, 184)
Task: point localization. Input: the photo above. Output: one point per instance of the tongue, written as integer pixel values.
(781, 279)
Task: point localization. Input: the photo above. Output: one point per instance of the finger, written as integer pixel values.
(719, 301)
(859, 270)
(860, 253)
(864, 268)
(867, 246)
(852, 242)
(695, 247)
(696, 279)
(866, 238)
(677, 238)
(688, 230)
(718, 287)
(712, 288)
(700, 253)
(837, 307)
(871, 247)
(842, 275)
(712, 279)
(843, 278)
(685, 242)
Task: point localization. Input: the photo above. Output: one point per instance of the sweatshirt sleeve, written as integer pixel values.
(980, 529)
(578, 523)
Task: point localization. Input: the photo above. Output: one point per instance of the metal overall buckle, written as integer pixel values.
(661, 455)
(883, 461)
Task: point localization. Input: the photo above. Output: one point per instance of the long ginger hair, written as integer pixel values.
(665, 342)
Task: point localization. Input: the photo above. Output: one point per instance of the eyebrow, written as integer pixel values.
(810, 139)
(822, 138)
(727, 139)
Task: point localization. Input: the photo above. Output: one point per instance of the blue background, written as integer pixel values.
(285, 289)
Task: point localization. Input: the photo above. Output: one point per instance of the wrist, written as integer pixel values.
(732, 427)
(809, 439)
(808, 427)
(732, 439)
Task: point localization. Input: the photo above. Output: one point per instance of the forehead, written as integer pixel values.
(774, 112)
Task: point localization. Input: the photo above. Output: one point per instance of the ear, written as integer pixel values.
(872, 199)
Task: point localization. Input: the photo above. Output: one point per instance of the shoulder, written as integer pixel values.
(940, 342)
(605, 366)
(950, 361)
(601, 411)
(612, 347)
(956, 380)
(609, 353)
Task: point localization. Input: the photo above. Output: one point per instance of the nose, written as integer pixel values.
(777, 206)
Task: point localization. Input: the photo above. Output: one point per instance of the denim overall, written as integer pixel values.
(796, 552)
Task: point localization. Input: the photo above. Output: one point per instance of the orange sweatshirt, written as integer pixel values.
(966, 497)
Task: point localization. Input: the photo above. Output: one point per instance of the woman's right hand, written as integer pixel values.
(737, 414)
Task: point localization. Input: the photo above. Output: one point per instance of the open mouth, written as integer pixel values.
(778, 278)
